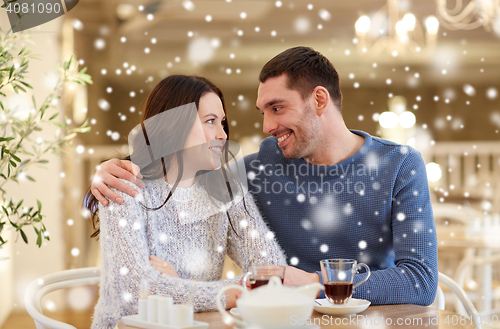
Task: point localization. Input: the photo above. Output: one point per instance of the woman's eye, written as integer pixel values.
(211, 121)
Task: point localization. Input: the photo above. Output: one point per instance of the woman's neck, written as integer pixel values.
(187, 179)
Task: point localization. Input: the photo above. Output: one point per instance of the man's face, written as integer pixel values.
(288, 118)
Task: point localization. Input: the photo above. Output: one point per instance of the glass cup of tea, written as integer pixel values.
(259, 275)
(338, 278)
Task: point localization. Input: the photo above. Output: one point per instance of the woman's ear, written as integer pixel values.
(321, 98)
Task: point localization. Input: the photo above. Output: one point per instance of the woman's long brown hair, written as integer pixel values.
(172, 92)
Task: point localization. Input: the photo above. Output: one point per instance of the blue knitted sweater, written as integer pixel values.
(373, 207)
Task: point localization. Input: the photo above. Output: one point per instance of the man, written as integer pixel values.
(328, 192)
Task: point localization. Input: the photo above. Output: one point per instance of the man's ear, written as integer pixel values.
(321, 99)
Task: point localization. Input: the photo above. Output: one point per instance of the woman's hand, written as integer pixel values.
(163, 266)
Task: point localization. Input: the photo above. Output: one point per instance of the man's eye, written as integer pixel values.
(276, 109)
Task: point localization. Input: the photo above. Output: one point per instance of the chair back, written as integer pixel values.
(461, 295)
(54, 281)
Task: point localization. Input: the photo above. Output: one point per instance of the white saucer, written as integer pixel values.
(236, 313)
(305, 326)
(134, 321)
(353, 306)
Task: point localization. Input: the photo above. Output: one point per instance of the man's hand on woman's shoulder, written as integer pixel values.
(108, 174)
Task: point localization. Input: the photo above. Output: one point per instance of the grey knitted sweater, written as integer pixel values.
(191, 231)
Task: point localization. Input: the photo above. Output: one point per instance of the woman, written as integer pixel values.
(183, 218)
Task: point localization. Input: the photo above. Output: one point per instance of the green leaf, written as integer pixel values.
(39, 204)
(22, 51)
(69, 137)
(15, 157)
(42, 161)
(26, 84)
(39, 239)
(19, 204)
(12, 163)
(6, 139)
(25, 238)
(5, 211)
(11, 72)
(53, 116)
(30, 178)
(43, 109)
(12, 223)
(17, 88)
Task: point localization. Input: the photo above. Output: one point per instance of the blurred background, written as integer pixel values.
(424, 73)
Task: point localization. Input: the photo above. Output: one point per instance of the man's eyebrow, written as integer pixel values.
(272, 102)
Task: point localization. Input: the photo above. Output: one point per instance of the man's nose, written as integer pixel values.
(269, 125)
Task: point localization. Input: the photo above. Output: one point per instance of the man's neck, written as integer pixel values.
(338, 146)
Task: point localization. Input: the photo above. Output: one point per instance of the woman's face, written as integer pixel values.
(203, 147)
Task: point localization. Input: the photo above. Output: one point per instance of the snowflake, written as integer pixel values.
(348, 209)
(127, 296)
(306, 224)
(362, 244)
(401, 217)
(124, 270)
(294, 261)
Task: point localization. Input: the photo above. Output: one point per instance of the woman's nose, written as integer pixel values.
(221, 134)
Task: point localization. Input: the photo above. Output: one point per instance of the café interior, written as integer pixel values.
(423, 73)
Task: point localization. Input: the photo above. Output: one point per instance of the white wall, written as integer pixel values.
(28, 261)
(6, 281)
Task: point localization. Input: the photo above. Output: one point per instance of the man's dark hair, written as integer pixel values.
(305, 69)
